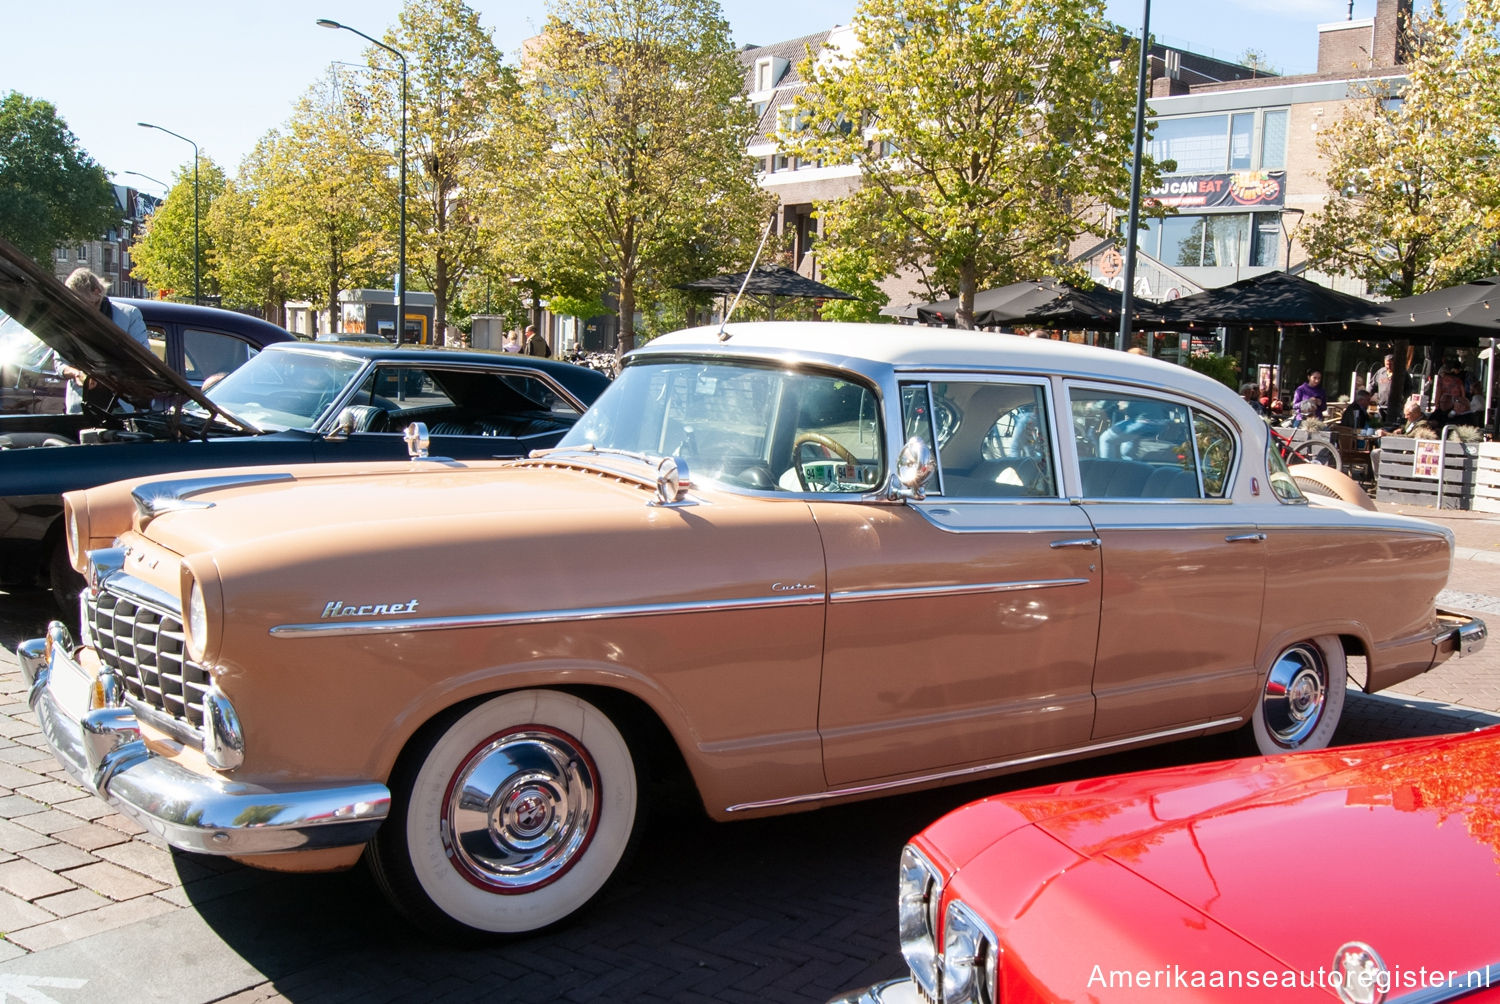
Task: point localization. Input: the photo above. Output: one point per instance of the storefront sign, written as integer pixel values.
(1221, 191)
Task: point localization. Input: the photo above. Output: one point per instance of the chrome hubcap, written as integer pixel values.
(1296, 690)
(521, 809)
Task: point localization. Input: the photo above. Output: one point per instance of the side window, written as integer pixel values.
(212, 354)
(994, 440)
(158, 337)
(1135, 447)
(1215, 445)
(544, 396)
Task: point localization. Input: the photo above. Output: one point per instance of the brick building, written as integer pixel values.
(108, 256)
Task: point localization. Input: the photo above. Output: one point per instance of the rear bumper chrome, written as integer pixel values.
(1459, 634)
(98, 740)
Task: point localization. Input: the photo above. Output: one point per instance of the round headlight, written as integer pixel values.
(197, 623)
(970, 957)
(73, 535)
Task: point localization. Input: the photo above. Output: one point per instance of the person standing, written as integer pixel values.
(1379, 383)
(91, 289)
(1311, 390)
(534, 344)
(511, 342)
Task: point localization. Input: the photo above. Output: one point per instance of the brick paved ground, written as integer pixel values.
(80, 886)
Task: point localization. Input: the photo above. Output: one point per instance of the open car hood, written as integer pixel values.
(89, 340)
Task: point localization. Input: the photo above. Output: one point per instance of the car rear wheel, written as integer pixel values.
(1302, 699)
(508, 816)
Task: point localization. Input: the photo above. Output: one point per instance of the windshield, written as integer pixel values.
(285, 390)
(743, 425)
(19, 347)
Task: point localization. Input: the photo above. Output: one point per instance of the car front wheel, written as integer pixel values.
(1302, 699)
(509, 816)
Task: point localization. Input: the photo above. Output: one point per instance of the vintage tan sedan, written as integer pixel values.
(798, 563)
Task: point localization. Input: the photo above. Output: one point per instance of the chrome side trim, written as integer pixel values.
(327, 630)
(960, 589)
(157, 497)
(907, 782)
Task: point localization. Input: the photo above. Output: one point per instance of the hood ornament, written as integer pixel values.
(1360, 975)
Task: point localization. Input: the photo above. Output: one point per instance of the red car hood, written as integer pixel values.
(1396, 845)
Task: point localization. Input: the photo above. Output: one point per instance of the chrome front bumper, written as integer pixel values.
(1461, 634)
(98, 739)
(890, 992)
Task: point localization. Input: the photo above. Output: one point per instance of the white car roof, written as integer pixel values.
(868, 347)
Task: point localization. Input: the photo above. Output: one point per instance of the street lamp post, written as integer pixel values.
(197, 278)
(1127, 295)
(401, 239)
(148, 177)
(1297, 215)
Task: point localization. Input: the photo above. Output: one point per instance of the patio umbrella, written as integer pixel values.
(1032, 302)
(1269, 298)
(1455, 315)
(767, 284)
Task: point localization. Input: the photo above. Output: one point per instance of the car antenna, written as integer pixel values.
(724, 335)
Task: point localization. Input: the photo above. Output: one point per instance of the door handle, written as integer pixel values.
(1239, 537)
(1089, 542)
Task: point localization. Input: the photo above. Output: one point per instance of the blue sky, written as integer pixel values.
(224, 73)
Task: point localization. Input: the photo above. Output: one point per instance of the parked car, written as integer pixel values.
(805, 563)
(290, 402)
(1359, 874)
(199, 343)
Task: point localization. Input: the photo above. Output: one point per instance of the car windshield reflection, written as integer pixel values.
(285, 390)
(743, 425)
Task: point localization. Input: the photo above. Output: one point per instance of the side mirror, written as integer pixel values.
(915, 467)
(343, 426)
(417, 440)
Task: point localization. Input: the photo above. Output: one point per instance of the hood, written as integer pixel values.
(86, 338)
(1299, 855)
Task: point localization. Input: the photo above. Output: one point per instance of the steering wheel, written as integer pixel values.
(831, 447)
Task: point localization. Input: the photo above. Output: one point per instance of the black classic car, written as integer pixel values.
(293, 402)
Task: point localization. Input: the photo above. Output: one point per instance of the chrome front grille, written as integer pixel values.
(142, 642)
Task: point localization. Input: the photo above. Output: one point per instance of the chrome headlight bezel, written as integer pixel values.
(920, 897)
(971, 957)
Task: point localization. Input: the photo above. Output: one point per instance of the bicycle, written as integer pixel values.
(1310, 452)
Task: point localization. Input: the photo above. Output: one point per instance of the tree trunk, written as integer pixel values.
(627, 315)
(966, 290)
(440, 299)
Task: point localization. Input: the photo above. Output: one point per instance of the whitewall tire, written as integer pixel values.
(1302, 698)
(510, 816)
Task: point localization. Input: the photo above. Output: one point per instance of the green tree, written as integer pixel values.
(455, 85)
(163, 258)
(1411, 207)
(51, 191)
(629, 152)
(987, 135)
